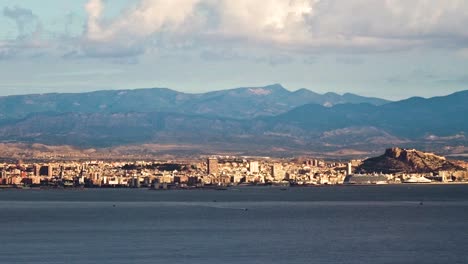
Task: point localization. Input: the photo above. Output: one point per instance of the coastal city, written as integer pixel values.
(218, 172)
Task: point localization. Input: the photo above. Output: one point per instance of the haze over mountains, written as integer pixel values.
(235, 103)
(258, 120)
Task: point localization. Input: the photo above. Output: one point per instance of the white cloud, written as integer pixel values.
(94, 10)
(132, 33)
(393, 23)
(140, 21)
(269, 19)
(298, 26)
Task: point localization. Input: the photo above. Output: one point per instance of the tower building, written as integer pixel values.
(349, 168)
(253, 166)
(212, 164)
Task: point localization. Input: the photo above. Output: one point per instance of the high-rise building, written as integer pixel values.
(37, 170)
(315, 163)
(62, 168)
(253, 166)
(349, 168)
(277, 172)
(212, 164)
(46, 170)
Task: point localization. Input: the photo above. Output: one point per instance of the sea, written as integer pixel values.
(334, 224)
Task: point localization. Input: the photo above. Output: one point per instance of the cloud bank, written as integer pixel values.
(279, 27)
(291, 25)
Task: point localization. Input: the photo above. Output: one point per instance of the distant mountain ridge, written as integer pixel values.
(240, 103)
(411, 118)
(169, 118)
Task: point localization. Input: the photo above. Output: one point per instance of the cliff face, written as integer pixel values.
(408, 161)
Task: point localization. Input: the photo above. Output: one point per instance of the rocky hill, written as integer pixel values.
(408, 161)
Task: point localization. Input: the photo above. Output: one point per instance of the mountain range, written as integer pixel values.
(233, 103)
(258, 120)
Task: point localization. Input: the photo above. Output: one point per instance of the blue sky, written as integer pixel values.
(392, 49)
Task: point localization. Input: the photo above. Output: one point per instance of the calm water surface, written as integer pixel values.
(346, 224)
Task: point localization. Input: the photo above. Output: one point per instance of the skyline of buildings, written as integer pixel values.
(212, 171)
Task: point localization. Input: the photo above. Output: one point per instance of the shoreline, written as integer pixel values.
(220, 188)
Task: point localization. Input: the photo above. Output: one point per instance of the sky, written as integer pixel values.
(392, 49)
